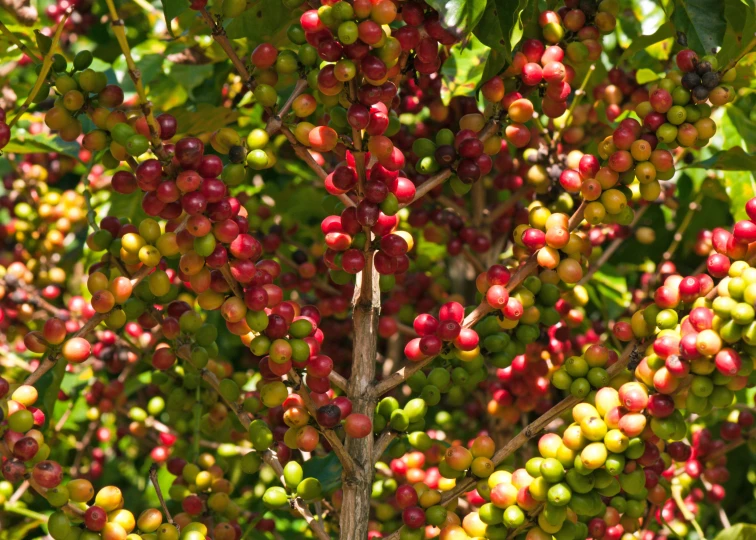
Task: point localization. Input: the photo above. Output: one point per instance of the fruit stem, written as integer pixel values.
(693, 207)
(46, 65)
(733, 62)
(219, 35)
(579, 93)
(159, 492)
(17, 42)
(119, 29)
(687, 514)
(18, 509)
(609, 251)
(274, 122)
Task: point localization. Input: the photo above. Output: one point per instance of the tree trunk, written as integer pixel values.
(355, 509)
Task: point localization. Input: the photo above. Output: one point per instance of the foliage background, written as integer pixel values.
(188, 75)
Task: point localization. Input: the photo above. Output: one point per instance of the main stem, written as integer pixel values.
(355, 510)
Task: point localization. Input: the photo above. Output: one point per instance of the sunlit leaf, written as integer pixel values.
(665, 32)
(459, 16)
(741, 531)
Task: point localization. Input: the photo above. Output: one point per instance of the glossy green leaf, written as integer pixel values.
(459, 16)
(124, 206)
(702, 22)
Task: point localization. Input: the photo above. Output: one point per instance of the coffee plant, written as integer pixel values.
(361, 269)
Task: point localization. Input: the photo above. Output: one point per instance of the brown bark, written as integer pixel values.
(355, 510)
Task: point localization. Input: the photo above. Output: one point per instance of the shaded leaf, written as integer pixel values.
(327, 469)
(24, 142)
(124, 206)
(733, 159)
(173, 8)
(501, 29)
(740, 16)
(702, 22)
(260, 22)
(459, 16)
(205, 118)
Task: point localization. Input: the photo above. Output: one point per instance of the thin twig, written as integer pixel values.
(17, 42)
(274, 122)
(745, 50)
(46, 65)
(579, 93)
(483, 309)
(338, 447)
(383, 442)
(50, 361)
(533, 429)
(609, 251)
(154, 480)
(119, 30)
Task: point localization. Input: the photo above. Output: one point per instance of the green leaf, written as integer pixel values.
(173, 8)
(262, 20)
(205, 118)
(459, 16)
(702, 22)
(611, 287)
(24, 142)
(665, 31)
(740, 186)
(51, 394)
(501, 29)
(124, 206)
(741, 531)
(327, 469)
(741, 23)
(463, 70)
(646, 75)
(732, 159)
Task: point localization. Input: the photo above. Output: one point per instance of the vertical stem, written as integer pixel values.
(355, 511)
